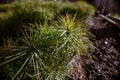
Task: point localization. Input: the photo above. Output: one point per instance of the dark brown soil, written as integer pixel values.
(105, 62)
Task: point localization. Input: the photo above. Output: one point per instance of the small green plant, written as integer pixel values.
(47, 45)
(45, 50)
(14, 16)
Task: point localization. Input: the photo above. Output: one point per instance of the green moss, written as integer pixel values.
(15, 16)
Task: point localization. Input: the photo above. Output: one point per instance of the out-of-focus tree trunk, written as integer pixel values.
(106, 6)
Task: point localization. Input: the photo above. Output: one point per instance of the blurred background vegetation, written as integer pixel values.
(38, 38)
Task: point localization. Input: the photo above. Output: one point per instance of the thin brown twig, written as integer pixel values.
(110, 20)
